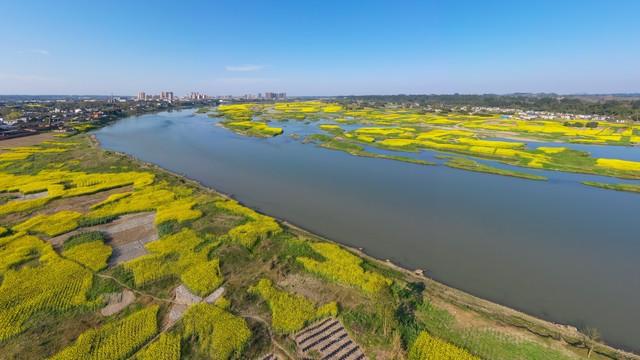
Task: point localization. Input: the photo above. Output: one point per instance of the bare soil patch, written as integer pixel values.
(309, 286)
(25, 140)
(118, 301)
(182, 299)
(126, 235)
(83, 203)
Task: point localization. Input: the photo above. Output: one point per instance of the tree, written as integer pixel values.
(592, 337)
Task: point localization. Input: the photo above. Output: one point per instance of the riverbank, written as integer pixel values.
(458, 225)
(463, 306)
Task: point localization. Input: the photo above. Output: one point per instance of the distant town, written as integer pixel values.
(28, 115)
(22, 115)
(169, 96)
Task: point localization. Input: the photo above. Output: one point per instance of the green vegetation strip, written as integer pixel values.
(471, 165)
(349, 147)
(617, 187)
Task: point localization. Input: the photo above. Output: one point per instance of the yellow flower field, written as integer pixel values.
(290, 312)
(427, 347)
(343, 267)
(117, 340)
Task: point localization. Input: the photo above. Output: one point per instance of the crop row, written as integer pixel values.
(220, 334)
(116, 340)
(50, 284)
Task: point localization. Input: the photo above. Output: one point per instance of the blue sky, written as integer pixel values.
(319, 47)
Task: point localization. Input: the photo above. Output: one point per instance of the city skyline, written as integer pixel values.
(306, 49)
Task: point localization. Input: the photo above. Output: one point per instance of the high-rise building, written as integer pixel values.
(166, 95)
(142, 96)
(197, 96)
(275, 96)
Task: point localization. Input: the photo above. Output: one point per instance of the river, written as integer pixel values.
(558, 249)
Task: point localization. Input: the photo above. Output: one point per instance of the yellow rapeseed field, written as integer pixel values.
(220, 334)
(55, 285)
(343, 267)
(290, 312)
(181, 255)
(427, 347)
(257, 228)
(116, 340)
(624, 165)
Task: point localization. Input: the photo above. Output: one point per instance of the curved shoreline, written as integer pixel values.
(494, 311)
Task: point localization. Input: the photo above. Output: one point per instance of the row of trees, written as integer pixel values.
(622, 106)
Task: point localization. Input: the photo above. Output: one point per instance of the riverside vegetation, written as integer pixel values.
(505, 140)
(56, 273)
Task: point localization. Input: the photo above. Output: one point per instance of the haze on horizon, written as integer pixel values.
(319, 48)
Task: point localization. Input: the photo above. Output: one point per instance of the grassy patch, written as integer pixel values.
(617, 187)
(470, 165)
(85, 237)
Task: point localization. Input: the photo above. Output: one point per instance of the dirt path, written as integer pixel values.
(141, 293)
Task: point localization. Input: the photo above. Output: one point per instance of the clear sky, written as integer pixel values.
(310, 47)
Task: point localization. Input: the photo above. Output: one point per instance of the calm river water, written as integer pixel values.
(557, 249)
